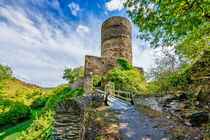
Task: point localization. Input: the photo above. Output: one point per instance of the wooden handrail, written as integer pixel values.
(128, 98)
(126, 92)
(101, 91)
(117, 94)
(123, 97)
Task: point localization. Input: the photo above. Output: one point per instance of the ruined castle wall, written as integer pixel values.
(99, 65)
(96, 65)
(140, 69)
(116, 38)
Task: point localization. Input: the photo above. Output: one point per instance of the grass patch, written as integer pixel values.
(12, 132)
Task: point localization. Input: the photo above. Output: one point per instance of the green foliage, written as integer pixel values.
(15, 132)
(153, 87)
(39, 101)
(116, 76)
(72, 74)
(17, 98)
(41, 128)
(13, 112)
(195, 43)
(5, 72)
(166, 64)
(128, 80)
(165, 23)
(125, 64)
(167, 20)
(179, 81)
(96, 79)
(59, 93)
(190, 76)
(135, 81)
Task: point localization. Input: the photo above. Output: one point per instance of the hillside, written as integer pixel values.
(194, 81)
(26, 110)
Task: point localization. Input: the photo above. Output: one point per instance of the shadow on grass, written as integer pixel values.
(12, 132)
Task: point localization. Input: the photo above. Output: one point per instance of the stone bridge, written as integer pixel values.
(71, 114)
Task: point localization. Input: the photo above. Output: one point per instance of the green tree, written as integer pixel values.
(5, 72)
(117, 76)
(173, 23)
(125, 64)
(72, 74)
(128, 80)
(166, 64)
(126, 77)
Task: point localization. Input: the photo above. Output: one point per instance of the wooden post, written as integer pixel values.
(132, 102)
(106, 99)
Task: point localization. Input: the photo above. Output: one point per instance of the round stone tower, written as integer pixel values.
(116, 38)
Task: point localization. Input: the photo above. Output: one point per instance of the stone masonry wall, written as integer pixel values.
(96, 65)
(99, 65)
(79, 83)
(71, 116)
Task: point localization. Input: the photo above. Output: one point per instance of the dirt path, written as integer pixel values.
(134, 125)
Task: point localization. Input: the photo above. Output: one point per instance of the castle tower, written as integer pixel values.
(116, 38)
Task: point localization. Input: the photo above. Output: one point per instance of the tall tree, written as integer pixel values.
(72, 74)
(179, 23)
(5, 72)
(166, 64)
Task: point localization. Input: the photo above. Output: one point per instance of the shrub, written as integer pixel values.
(127, 80)
(153, 88)
(39, 101)
(179, 81)
(40, 129)
(125, 64)
(5, 72)
(96, 79)
(17, 112)
(116, 76)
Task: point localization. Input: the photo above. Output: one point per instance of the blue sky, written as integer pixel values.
(40, 38)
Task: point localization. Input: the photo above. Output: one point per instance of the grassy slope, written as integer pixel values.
(14, 132)
(14, 89)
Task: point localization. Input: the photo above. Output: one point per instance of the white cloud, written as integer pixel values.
(82, 28)
(74, 8)
(17, 18)
(115, 5)
(39, 54)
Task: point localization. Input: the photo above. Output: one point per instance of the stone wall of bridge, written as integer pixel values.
(71, 116)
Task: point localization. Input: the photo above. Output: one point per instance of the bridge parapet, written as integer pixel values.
(71, 116)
